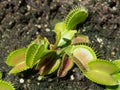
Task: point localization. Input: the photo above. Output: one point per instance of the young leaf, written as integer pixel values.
(6, 86)
(101, 77)
(75, 16)
(60, 27)
(16, 57)
(66, 37)
(103, 65)
(65, 66)
(48, 63)
(83, 55)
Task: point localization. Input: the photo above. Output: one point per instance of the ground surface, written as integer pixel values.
(22, 20)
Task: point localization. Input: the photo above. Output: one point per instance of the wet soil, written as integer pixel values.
(22, 20)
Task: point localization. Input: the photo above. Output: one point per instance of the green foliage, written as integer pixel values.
(69, 48)
(4, 85)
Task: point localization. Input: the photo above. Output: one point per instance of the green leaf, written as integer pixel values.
(76, 16)
(16, 57)
(19, 68)
(62, 34)
(60, 27)
(33, 54)
(83, 55)
(103, 65)
(65, 66)
(66, 37)
(6, 86)
(101, 77)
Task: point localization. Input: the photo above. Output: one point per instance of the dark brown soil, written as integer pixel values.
(22, 20)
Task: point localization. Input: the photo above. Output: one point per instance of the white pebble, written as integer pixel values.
(72, 77)
(21, 80)
(28, 7)
(40, 78)
(47, 30)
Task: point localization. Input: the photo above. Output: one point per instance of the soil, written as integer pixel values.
(22, 20)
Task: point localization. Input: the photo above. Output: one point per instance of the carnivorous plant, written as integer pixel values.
(68, 49)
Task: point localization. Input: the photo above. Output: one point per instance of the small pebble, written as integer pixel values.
(28, 7)
(40, 78)
(99, 40)
(47, 29)
(39, 26)
(72, 77)
(45, 25)
(21, 80)
(114, 8)
(113, 53)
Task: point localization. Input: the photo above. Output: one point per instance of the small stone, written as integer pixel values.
(72, 77)
(28, 7)
(45, 25)
(38, 83)
(40, 78)
(21, 80)
(113, 53)
(39, 26)
(114, 8)
(28, 80)
(99, 40)
(47, 29)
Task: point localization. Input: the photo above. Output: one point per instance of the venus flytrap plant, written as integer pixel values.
(4, 85)
(37, 52)
(69, 48)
